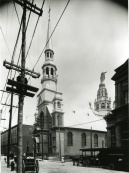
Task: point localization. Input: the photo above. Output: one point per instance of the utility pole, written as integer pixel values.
(59, 138)
(91, 141)
(21, 83)
(42, 124)
(9, 130)
(21, 96)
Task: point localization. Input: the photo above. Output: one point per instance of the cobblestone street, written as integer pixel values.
(57, 167)
(47, 166)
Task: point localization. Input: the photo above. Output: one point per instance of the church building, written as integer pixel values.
(62, 130)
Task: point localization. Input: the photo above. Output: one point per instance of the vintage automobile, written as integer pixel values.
(111, 158)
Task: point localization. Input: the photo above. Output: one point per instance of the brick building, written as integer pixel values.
(27, 131)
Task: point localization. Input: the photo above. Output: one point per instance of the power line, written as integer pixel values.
(86, 122)
(5, 41)
(12, 60)
(17, 40)
(16, 11)
(34, 30)
(15, 49)
(51, 34)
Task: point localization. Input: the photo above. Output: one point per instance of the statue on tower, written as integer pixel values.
(102, 77)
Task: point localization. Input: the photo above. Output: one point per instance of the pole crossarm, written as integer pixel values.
(9, 105)
(19, 87)
(9, 65)
(30, 6)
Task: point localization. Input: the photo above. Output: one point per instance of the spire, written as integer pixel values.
(48, 40)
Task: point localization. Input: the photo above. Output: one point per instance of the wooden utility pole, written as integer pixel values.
(59, 138)
(21, 83)
(21, 96)
(91, 141)
(9, 130)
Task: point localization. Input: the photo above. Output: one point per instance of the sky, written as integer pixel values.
(91, 38)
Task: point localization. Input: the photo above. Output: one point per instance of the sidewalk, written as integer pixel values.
(4, 168)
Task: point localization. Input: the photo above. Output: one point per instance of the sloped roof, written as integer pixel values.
(77, 117)
(84, 118)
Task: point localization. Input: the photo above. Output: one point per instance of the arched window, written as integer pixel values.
(51, 71)
(59, 104)
(69, 139)
(83, 139)
(95, 140)
(50, 55)
(41, 120)
(103, 105)
(47, 54)
(47, 71)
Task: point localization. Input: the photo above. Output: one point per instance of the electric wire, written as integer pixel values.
(51, 35)
(13, 55)
(34, 31)
(21, 46)
(16, 12)
(86, 122)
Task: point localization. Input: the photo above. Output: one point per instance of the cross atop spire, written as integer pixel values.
(48, 51)
(49, 12)
(48, 40)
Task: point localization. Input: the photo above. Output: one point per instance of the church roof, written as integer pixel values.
(83, 118)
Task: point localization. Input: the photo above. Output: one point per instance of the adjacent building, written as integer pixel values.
(118, 119)
(27, 132)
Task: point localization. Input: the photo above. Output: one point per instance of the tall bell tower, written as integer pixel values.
(102, 104)
(49, 106)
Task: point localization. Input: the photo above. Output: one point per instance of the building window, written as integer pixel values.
(38, 147)
(103, 105)
(95, 140)
(126, 97)
(51, 71)
(50, 139)
(113, 137)
(53, 120)
(59, 120)
(105, 140)
(47, 71)
(42, 120)
(102, 143)
(48, 54)
(108, 105)
(83, 139)
(69, 139)
(59, 104)
(54, 141)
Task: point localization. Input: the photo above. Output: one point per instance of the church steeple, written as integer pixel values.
(103, 103)
(49, 68)
(49, 53)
